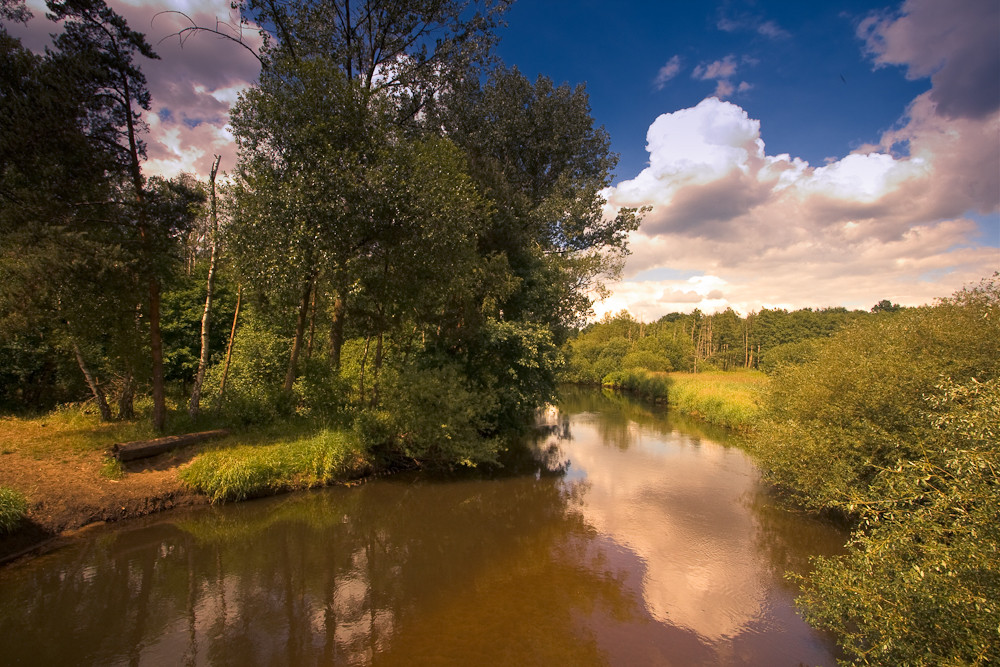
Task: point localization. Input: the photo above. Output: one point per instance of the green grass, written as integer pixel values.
(731, 398)
(13, 508)
(648, 384)
(242, 471)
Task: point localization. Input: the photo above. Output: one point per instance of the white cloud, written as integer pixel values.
(667, 72)
(773, 231)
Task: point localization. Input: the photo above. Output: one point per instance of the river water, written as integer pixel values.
(626, 536)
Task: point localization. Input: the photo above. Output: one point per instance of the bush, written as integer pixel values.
(920, 584)
(256, 374)
(895, 424)
(431, 415)
(13, 508)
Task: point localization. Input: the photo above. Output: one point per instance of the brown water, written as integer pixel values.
(629, 538)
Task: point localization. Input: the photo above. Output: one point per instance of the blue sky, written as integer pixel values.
(794, 154)
(792, 55)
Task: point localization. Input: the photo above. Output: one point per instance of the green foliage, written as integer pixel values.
(431, 415)
(13, 508)
(248, 471)
(920, 584)
(253, 386)
(894, 424)
(795, 353)
(649, 385)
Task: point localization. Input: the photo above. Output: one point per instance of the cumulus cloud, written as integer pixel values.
(954, 43)
(671, 69)
(773, 231)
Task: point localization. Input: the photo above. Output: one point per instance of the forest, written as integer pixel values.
(410, 224)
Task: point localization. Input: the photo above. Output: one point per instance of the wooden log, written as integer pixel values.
(140, 449)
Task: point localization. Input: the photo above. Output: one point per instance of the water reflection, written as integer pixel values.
(625, 539)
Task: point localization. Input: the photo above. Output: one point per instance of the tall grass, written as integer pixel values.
(730, 398)
(13, 508)
(648, 384)
(248, 471)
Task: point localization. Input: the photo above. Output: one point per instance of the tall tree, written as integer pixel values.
(97, 34)
(206, 317)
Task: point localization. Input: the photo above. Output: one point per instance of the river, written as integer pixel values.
(623, 536)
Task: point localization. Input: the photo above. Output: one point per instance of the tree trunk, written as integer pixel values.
(126, 399)
(206, 317)
(229, 350)
(337, 331)
(300, 328)
(95, 389)
(156, 345)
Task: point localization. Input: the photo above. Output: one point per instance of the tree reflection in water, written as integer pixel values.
(533, 564)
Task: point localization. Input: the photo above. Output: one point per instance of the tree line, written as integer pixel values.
(694, 342)
(409, 223)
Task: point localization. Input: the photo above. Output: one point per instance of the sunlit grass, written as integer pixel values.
(648, 384)
(13, 507)
(76, 428)
(730, 398)
(238, 472)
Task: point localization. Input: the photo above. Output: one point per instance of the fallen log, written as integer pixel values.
(140, 449)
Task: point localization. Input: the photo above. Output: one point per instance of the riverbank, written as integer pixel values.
(60, 464)
(725, 398)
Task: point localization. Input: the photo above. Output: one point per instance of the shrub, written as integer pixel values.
(256, 373)
(895, 423)
(13, 508)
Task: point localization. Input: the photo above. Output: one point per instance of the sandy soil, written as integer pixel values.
(70, 493)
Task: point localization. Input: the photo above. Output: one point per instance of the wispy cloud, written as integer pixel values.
(722, 72)
(751, 23)
(671, 69)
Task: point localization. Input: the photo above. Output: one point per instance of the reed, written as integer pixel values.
(730, 398)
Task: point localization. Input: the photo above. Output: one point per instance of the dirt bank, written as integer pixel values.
(70, 492)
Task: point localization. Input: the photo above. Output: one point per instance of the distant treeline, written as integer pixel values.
(695, 342)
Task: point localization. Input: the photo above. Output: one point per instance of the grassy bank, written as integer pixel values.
(244, 471)
(648, 384)
(56, 473)
(730, 398)
(725, 398)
